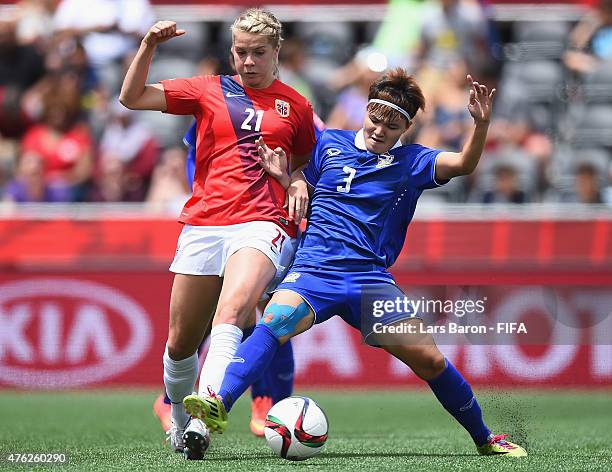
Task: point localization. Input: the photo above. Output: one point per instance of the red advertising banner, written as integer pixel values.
(83, 302)
(82, 329)
(569, 245)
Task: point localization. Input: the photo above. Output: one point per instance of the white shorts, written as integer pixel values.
(204, 250)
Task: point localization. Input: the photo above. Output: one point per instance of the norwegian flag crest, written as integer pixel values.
(282, 108)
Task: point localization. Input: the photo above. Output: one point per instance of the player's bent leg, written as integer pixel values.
(240, 293)
(242, 288)
(285, 316)
(450, 388)
(192, 299)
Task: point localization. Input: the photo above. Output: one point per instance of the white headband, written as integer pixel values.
(392, 105)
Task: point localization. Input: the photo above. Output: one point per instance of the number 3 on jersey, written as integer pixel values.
(246, 124)
(348, 179)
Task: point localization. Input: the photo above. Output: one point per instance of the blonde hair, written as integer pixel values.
(258, 21)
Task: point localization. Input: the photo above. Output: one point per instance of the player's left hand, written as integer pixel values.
(274, 162)
(297, 197)
(481, 101)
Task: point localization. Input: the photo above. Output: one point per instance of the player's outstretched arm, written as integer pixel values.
(135, 93)
(453, 164)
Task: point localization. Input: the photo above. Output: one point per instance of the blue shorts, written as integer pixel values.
(354, 296)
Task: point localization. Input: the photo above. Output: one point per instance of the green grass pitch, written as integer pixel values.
(369, 431)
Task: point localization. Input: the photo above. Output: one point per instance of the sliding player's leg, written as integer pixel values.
(420, 353)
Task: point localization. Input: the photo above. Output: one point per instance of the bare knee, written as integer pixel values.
(236, 314)
(429, 364)
(179, 348)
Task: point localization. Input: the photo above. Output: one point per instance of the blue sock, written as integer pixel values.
(262, 387)
(456, 396)
(277, 380)
(280, 373)
(167, 398)
(257, 352)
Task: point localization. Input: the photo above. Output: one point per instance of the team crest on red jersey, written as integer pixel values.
(282, 108)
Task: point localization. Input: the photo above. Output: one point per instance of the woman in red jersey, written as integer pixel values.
(237, 237)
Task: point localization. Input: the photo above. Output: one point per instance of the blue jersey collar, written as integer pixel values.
(360, 141)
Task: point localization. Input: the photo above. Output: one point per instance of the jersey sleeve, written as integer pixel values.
(424, 169)
(183, 95)
(305, 138)
(312, 173)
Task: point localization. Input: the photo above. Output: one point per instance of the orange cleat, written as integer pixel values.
(162, 411)
(259, 410)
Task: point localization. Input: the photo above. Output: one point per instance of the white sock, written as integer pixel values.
(224, 342)
(179, 379)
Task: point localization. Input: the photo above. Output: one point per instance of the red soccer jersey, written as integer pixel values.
(230, 187)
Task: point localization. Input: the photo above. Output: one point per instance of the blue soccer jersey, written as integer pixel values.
(363, 202)
(190, 141)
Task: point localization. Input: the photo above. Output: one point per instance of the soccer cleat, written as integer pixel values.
(209, 409)
(196, 440)
(175, 437)
(498, 446)
(162, 411)
(259, 409)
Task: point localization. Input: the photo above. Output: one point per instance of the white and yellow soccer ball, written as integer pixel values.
(296, 428)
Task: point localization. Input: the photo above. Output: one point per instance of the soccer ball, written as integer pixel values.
(296, 428)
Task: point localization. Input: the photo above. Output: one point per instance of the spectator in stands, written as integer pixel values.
(506, 187)
(62, 142)
(110, 183)
(21, 67)
(109, 28)
(29, 184)
(291, 68)
(355, 78)
(399, 33)
(453, 30)
(169, 184)
(587, 184)
(447, 121)
(591, 40)
(132, 144)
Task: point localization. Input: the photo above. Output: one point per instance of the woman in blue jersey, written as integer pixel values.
(365, 189)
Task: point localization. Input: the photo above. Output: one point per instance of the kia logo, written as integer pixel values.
(53, 347)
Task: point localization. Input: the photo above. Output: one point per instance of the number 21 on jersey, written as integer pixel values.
(246, 124)
(346, 188)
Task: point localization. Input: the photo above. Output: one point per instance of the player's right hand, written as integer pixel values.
(161, 32)
(297, 199)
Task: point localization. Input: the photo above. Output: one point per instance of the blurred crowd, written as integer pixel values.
(65, 138)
